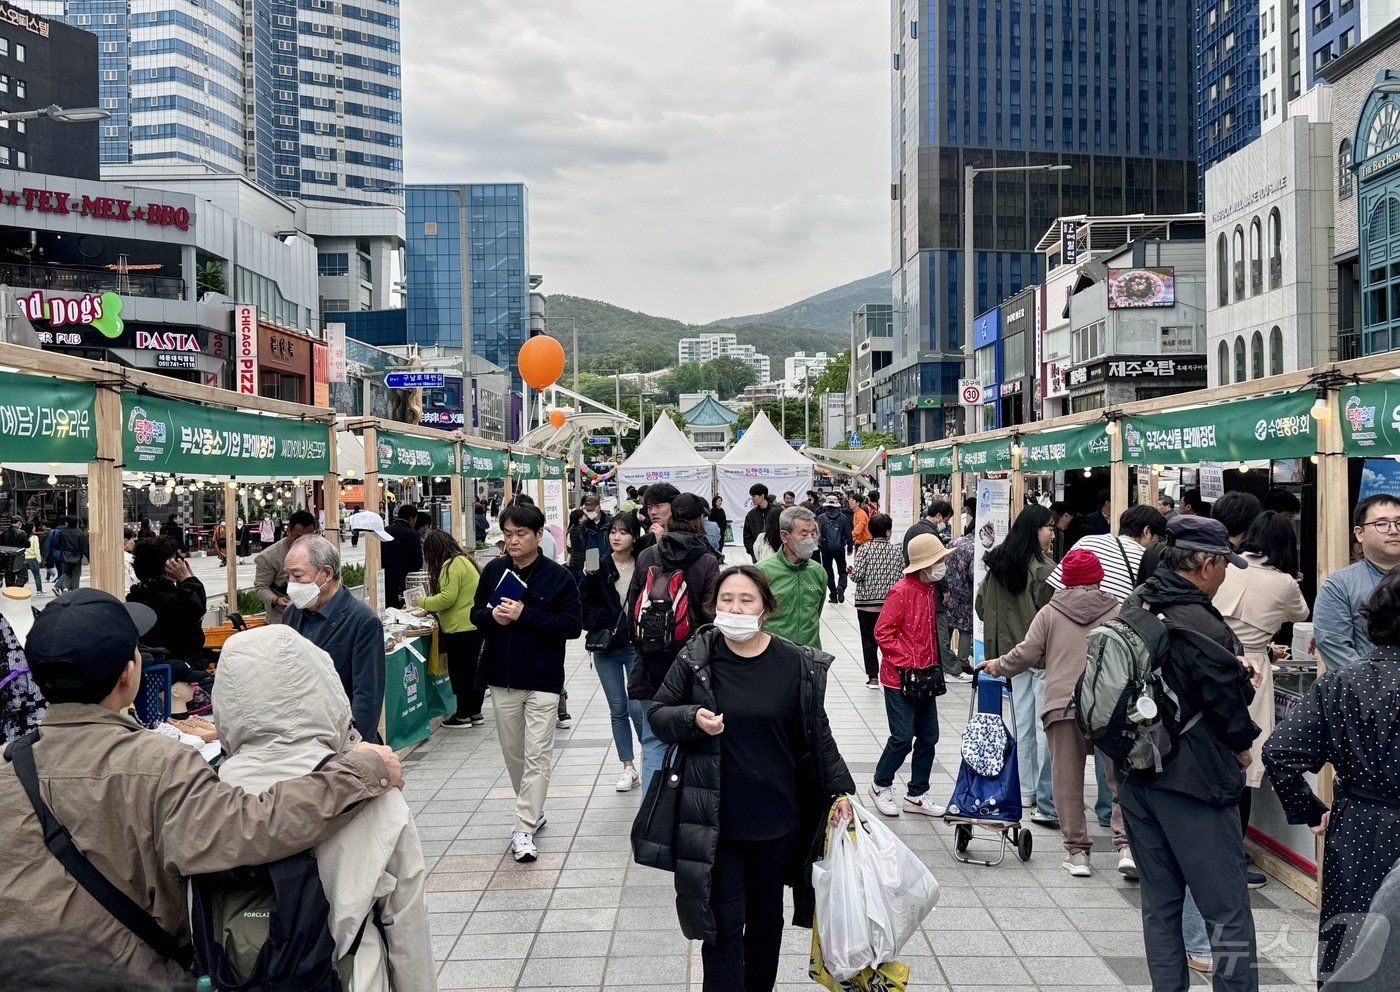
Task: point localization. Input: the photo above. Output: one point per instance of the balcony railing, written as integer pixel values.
(75, 279)
(1348, 345)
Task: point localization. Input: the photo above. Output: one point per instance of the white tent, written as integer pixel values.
(761, 455)
(665, 455)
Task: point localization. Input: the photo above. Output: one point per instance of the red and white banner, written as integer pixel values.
(245, 334)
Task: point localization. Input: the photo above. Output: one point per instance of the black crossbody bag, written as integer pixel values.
(60, 844)
(922, 683)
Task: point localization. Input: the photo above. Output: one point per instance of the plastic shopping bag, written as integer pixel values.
(899, 889)
(847, 946)
(889, 976)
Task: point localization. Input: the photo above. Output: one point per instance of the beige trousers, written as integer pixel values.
(525, 726)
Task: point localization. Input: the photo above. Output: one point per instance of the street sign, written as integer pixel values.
(415, 380)
(599, 439)
(969, 392)
(855, 440)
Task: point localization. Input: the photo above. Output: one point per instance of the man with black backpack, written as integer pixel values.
(104, 821)
(1183, 820)
(836, 536)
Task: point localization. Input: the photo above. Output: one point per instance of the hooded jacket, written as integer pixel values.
(821, 776)
(676, 551)
(1056, 642)
(1204, 671)
(280, 713)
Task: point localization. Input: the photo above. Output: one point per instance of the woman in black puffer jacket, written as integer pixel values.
(761, 772)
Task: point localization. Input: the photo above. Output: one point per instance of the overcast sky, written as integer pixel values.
(697, 159)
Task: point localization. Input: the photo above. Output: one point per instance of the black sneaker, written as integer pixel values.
(564, 721)
(1255, 880)
(457, 721)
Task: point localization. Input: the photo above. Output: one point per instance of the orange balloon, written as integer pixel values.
(541, 361)
(558, 418)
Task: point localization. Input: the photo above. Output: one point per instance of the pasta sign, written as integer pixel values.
(245, 319)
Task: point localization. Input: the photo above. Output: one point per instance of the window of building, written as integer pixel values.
(1239, 359)
(430, 228)
(1256, 355)
(333, 263)
(335, 306)
(1275, 351)
(1322, 15)
(20, 53)
(1087, 343)
(1238, 260)
(1222, 270)
(1381, 278)
(1256, 257)
(1222, 365)
(21, 88)
(109, 75)
(1344, 176)
(1178, 340)
(109, 47)
(1275, 249)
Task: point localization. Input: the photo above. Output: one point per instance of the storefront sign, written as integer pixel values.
(102, 312)
(277, 349)
(1056, 380)
(335, 344)
(1269, 427)
(1131, 289)
(902, 464)
(184, 362)
(1146, 367)
(320, 376)
(1067, 450)
(1370, 419)
(939, 461)
(1069, 242)
(1269, 189)
(106, 208)
(245, 334)
(985, 456)
(1011, 388)
(46, 420)
(24, 19)
(554, 469)
(161, 435)
(484, 463)
(406, 456)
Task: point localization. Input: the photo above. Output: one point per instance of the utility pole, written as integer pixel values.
(806, 404)
(578, 441)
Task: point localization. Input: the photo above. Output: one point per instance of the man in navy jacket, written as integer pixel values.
(522, 660)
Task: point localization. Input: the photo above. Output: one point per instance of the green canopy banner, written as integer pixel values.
(46, 420)
(985, 456)
(554, 468)
(1066, 450)
(1267, 427)
(526, 466)
(902, 464)
(484, 463)
(404, 455)
(939, 461)
(1370, 419)
(160, 435)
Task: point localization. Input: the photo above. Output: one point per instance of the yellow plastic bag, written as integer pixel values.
(891, 976)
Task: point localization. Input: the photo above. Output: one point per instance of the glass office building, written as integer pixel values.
(1228, 108)
(301, 97)
(1103, 87)
(467, 268)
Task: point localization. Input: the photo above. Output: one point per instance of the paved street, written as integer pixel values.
(583, 917)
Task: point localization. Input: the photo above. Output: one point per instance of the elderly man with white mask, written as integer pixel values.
(281, 713)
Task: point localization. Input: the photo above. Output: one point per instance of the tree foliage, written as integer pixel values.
(726, 376)
(833, 380)
(791, 408)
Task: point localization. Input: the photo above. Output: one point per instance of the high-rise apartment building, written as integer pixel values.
(707, 347)
(1227, 95)
(301, 96)
(467, 268)
(1103, 87)
(1281, 66)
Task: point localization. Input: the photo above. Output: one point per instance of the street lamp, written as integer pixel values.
(78, 115)
(970, 174)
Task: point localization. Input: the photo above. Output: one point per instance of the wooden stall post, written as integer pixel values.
(330, 491)
(231, 542)
(955, 483)
(454, 488)
(372, 493)
(1117, 480)
(1018, 479)
(105, 495)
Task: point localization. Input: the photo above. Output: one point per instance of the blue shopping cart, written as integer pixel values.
(988, 790)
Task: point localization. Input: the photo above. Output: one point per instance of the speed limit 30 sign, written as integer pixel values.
(969, 392)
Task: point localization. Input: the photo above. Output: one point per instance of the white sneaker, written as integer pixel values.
(1077, 864)
(962, 677)
(563, 723)
(912, 805)
(522, 847)
(884, 799)
(1127, 867)
(630, 779)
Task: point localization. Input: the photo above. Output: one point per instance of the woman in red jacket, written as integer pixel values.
(905, 633)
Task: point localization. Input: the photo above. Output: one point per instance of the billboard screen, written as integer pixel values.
(1134, 288)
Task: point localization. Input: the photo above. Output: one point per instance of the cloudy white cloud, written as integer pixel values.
(691, 159)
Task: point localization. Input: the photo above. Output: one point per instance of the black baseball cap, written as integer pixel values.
(1204, 534)
(688, 506)
(80, 643)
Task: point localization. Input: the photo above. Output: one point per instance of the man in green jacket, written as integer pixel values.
(799, 586)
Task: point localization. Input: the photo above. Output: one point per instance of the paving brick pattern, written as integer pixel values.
(584, 917)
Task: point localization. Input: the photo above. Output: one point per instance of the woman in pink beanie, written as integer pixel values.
(1056, 642)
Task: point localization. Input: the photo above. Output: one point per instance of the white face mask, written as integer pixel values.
(303, 594)
(936, 572)
(804, 549)
(738, 626)
(591, 514)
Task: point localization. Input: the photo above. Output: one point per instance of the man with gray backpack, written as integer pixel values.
(1166, 695)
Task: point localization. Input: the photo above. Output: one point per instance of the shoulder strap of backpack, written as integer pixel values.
(60, 844)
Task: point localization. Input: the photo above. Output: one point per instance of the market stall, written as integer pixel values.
(666, 455)
(761, 455)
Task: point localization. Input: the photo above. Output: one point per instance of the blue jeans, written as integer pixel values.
(33, 564)
(653, 751)
(1193, 929)
(1028, 731)
(913, 726)
(1103, 805)
(612, 668)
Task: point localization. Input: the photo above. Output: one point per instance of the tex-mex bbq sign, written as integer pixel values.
(51, 201)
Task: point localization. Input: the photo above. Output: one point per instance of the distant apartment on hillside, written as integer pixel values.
(708, 347)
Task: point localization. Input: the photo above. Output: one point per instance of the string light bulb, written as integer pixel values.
(1157, 469)
(1313, 459)
(1088, 473)
(1244, 467)
(1320, 410)
(1111, 428)
(52, 480)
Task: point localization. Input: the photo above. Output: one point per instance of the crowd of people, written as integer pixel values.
(716, 674)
